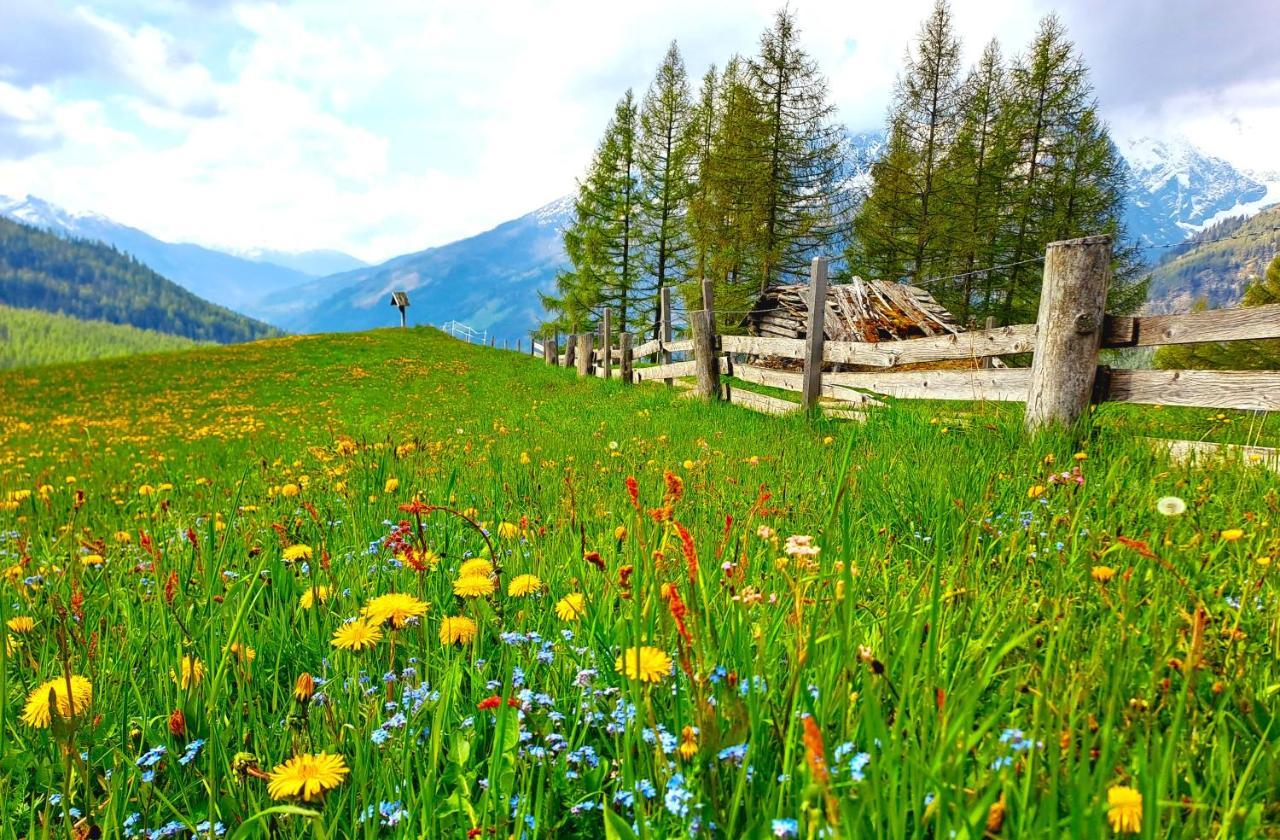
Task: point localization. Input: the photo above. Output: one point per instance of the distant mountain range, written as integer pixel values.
(1217, 264)
(491, 280)
(236, 282)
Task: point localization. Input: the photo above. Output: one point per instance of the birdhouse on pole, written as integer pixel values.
(400, 300)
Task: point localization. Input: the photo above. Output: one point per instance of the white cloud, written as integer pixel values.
(411, 124)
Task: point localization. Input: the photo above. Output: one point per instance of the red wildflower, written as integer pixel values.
(494, 701)
(144, 540)
(177, 724)
(311, 509)
(678, 612)
(624, 576)
(77, 604)
(690, 552)
(191, 538)
(814, 751)
(1138, 546)
(593, 557)
(416, 507)
(675, 487)
(633, 490)
(170, 587)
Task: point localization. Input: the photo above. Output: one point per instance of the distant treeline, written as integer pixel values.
(744, 179)
(91, 280)
(31, 337)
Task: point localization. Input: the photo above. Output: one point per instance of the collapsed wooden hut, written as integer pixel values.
(860, 310)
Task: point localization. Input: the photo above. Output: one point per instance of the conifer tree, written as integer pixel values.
(805, 195)
(666, 147)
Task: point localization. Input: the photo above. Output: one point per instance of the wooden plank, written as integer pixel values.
(682, 346)
(761, 402)
(1244, 389)
(754, 345)
(1008, 384)
(1019, 338)
(1200, 451)
(838, 413)
(647, 349)
(1217, 325)
(674, 370)
(786, 380)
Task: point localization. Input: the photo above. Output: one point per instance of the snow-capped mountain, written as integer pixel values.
(489, 281)
(232, 281)
(1176, 189)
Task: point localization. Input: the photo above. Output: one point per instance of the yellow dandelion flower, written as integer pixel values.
(22, 624)
(304, 688)
(477, 566)
(314, 595)
(92, 559)
(473, 586)
(356, 635)
(192, 672)
(522, 585)
(146, 490)
(456, 629)
(392, 485)
(296, 552)
(1035, 491)
(1102, 574)
(571, 607)
(290, 490)
(396, 608)
(307, 776)
(620, 533)
(508, 530)
(123, 537)
(646, 664)
(243, 652)
(1124, 810)
(688, 743)
(39, 710)
(1232, 534)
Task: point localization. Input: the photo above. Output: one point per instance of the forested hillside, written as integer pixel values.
(30, 337)
(1216, 265)
(40, 270)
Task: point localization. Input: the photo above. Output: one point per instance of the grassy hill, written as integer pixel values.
(902, 628)
(31, 337)
(1216, 272)
(93, 281)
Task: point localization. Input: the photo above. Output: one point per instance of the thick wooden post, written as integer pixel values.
(1073, 301)
(606, 344)
(706, 360)
(626, 362)
(584, 354)
(664, 332)
(551, 350)
(815, 335)
(570, 350)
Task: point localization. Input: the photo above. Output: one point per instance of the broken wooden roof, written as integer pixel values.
(860, 310)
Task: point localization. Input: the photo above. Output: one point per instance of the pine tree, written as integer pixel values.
(700, 223)
(666, 147)
(1234, 355)
(805, 195)
(905, 219)
(601, 242)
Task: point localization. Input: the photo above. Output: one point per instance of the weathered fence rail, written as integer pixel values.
(1064, 378)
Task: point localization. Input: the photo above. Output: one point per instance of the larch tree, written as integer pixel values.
(667, 144)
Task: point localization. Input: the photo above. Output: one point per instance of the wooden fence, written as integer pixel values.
(1065, 376)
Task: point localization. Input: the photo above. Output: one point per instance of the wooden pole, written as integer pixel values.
(706, 363)
(606, 344)
(492, 339)
(584, 354)
(815, 333)
(570, 350)
(402, 324)
(664, 332)
(505, 345)
(551, 349)
(988, 362)
(627, 362)
(1073, 301)
(518, 343)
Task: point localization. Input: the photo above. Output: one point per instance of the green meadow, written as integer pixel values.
(615, 611)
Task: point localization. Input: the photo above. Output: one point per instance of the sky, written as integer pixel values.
(386, 126)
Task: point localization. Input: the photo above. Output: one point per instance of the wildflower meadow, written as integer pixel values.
(391, 585)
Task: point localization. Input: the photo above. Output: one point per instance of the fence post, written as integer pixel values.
(584, 354)
(1073, 300)
(987, 362)
(518, 344)
(705, 357)
(571, 350)
(626, 362)
(491, 340)
(551, 349)
(815, 335)
(664, 332)
(606, 341)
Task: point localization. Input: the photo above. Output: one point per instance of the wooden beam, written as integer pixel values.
(761, 402)
(814, 333)
(1019, 338)
(647, 349)
(1073, 299)
(1183, 451)
(1007, 384)
(1217, 325)
(683, 346)
(786, 380)
(1243, 389)
(671, 371)
(752, 345)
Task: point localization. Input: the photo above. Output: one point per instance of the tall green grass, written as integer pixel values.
(959, 665)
